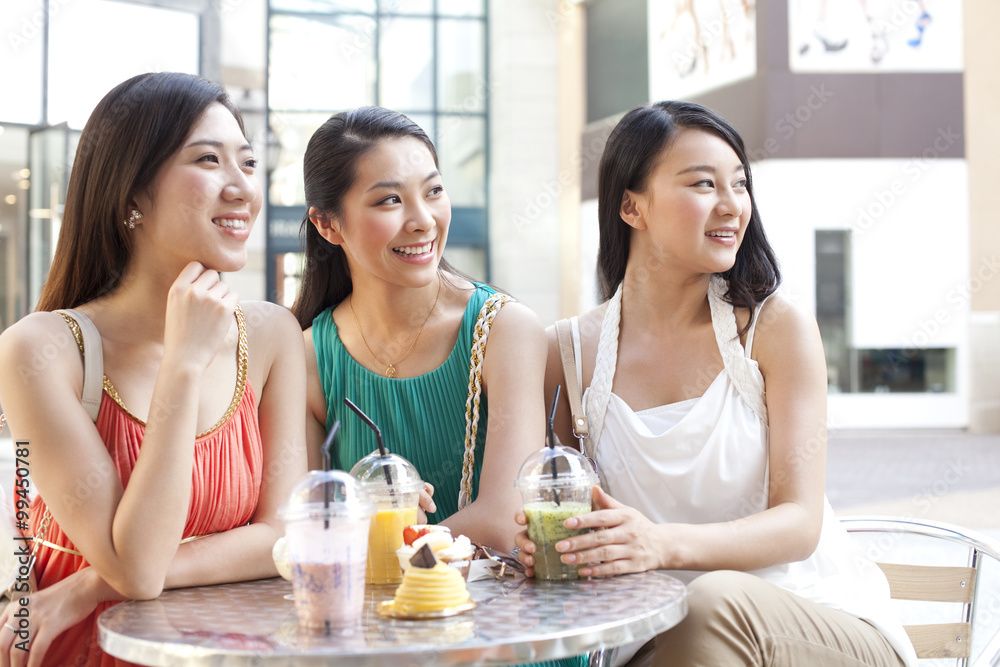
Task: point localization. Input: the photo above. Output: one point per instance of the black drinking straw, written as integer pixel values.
(327, 447)
(378, 435)
(552, 440)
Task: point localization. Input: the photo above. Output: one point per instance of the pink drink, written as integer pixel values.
(329, 593)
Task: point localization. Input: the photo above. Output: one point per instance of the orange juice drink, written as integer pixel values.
(385, 536)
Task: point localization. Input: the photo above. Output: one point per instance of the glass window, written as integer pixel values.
(461, 75)
(462, 156)
(292, 131)
(427, 124)
(321, 64)
(88, 56)
(907, 370)
(21, 25)
(324, 6)
(406, 75)
(832, 289)
(406, 6)
(461, 7)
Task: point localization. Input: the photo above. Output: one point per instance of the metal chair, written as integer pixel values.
(937, 583)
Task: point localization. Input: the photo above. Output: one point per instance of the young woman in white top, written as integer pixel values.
(704, 472)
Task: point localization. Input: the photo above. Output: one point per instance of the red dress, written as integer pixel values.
(228, 463)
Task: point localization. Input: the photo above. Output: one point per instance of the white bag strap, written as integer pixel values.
(93, 360)
(568, 357)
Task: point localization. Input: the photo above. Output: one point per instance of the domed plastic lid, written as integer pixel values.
(376, 469)
(571, 469)
(326, 494)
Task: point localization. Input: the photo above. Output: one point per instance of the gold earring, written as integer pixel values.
(132, 217)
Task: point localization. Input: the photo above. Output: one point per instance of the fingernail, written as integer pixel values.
(571, 522)
(562, 546)
(569, 559)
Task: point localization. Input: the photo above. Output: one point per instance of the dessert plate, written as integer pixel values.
(388, 608)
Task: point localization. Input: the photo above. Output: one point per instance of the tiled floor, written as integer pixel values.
(949, 476)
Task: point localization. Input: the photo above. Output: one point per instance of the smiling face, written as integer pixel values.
(205, 199)
(394, 219)
(695, 207)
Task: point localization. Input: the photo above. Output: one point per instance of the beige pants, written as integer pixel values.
(736, 619)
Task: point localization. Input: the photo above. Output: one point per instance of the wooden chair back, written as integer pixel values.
(937, 583)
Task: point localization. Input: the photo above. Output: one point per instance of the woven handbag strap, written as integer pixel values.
(567, 354)
(480, 334)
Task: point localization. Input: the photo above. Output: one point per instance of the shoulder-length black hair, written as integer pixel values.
(632, 151)
(329, 171)
(128, 138)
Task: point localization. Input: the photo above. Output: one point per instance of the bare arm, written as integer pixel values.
(244, 553)
(129, 535)
(513, 377)
(316, 406)
(790, 355)
(240, 554)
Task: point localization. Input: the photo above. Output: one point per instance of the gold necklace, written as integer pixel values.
(390, 370)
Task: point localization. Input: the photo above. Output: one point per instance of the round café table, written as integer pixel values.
(253, 624)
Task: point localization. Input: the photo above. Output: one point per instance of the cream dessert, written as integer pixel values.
(430, 586)
(454, 551)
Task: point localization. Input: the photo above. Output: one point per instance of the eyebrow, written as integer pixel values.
(397, 184)
(216, 144)
(708, 168)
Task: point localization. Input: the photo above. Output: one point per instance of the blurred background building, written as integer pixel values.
(871, 125)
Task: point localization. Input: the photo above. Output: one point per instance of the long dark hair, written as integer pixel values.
(329, 171)
(131, 133)
(632, 151)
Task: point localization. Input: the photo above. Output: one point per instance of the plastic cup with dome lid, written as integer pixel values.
(555, 484)
(327, 519)
(394, 485)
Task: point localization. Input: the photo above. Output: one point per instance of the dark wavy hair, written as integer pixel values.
(128, 138)
(329, 171)
(630, 155)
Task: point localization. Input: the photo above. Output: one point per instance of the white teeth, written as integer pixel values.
(230, 224)
(415, 250)
(722, 234)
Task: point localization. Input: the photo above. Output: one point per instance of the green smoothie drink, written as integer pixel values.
(556, 483)
(545, 529)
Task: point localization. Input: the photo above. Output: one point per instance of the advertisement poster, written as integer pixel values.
(698, 45)
(875, 35)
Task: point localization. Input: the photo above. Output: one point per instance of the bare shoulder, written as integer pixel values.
(267, 317)
(785, 332)
(42, 335)
(588, 323)
(516, 317)
(271, 329)
(40, 350)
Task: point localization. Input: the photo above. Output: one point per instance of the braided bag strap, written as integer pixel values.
(480, 334)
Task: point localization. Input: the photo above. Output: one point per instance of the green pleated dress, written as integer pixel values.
(421, 418)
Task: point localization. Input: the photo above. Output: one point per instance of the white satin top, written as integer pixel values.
(705, 460)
